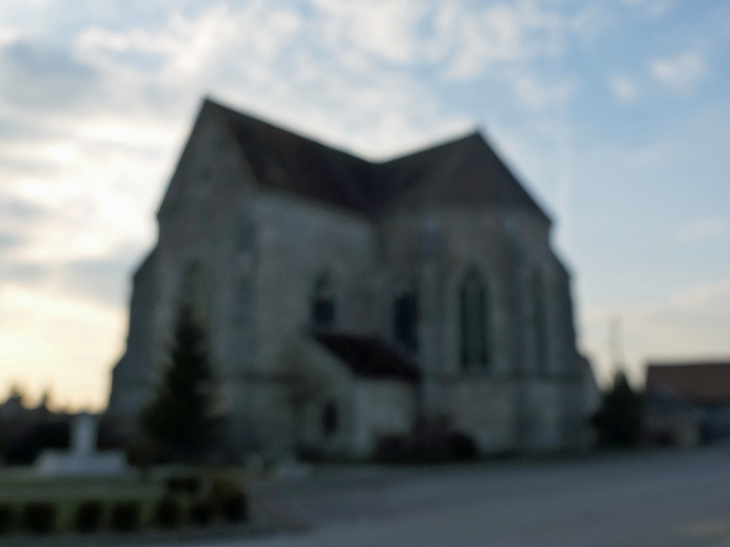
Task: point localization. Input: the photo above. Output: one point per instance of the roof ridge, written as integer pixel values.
(463, 169)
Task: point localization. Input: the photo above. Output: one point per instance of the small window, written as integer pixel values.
(329, 418)
(405, 320)
(474, 328)
(323, 302)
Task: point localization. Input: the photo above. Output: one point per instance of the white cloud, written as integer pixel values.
(623, 88)
(699, 230)
(681, 73)
(8, 34)
(502, 33)
(540, 95)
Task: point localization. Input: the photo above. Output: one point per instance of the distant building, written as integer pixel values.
(685, 403)
(346, 301)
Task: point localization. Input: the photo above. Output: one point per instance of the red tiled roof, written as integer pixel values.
(697, 383)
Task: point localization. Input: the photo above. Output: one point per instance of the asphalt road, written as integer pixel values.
(672, 499)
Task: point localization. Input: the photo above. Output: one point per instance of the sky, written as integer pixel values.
(615, 115)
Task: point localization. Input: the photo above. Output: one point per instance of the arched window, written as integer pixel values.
(323, 302)
(539, 323)
(473, 297)
(405, 320)
(329, 418)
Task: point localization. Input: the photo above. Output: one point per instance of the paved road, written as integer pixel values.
(669, 499)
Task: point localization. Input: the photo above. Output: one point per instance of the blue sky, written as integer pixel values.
(614, 113)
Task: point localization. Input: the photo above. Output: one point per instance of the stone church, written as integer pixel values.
(346, 301)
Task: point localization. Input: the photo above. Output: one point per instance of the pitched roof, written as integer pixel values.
(697, 383)
(368, 357)
(465, 170)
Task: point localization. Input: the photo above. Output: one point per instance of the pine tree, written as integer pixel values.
(180, 414)
(618, 421)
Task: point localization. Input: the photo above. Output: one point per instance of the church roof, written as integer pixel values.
(465, 170)
(368, 357)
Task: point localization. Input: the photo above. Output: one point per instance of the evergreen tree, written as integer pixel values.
(618, 420)
(180, 414)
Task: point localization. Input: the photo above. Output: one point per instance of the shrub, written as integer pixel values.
(39, 517)
(88, 516)
(229, 498)
(143, 452)
(183, 484)
(618, 420)
(461, 447)
(167, 513)
(125, 516)
(201, 513)
(6, 518)
(235, 508)
(392, 448)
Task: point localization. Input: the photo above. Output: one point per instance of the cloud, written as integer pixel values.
(539, 95)
(623, 88)
(26, 273)
(502, 33)
(18, 209)
(9, 241)
(681, 73)
(699, 230)
(102, 280)
(42, 75)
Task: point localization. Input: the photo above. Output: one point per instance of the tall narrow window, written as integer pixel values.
(329, 418)
(323, 302)
(405, 320)
(473, 321)
(539, 323)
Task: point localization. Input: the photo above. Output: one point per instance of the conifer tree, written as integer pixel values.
(180, 414)
(618, 420)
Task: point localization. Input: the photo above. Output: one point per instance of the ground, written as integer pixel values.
(669, 499)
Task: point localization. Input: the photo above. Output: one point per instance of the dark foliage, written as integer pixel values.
(230, 499)
(88, 516)
(167, 513)
(618, 420)
(180, 414)
(235, 507)
(32, 439)
(392, 448)
(461, 447)
(7, 518)
(183, 484)
(201, 513)
(142, 452)
(125, 516)
(39, 517)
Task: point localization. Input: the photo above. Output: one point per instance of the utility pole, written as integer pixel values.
(615, 345)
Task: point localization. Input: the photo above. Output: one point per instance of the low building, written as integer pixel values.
(686, 403)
